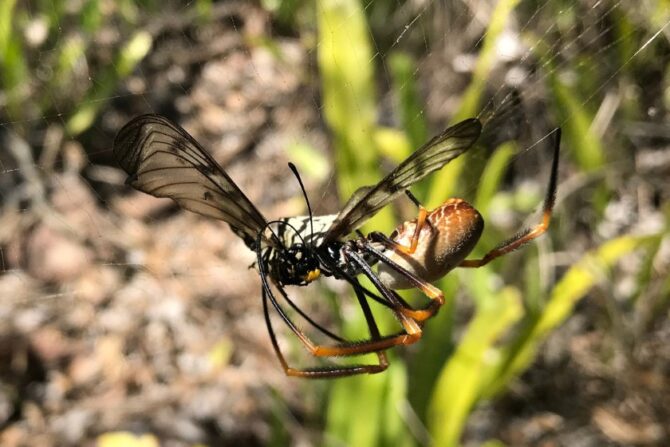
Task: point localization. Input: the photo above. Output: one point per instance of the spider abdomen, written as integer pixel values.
(448, 235)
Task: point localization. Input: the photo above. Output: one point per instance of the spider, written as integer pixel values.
(164, 160)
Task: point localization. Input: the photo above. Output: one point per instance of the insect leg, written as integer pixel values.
(376, 343)
(316, 325)
(396, 303)
(527, 235)
(346, 348)
(379, 299)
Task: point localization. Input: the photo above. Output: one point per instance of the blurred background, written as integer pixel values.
(125, 321)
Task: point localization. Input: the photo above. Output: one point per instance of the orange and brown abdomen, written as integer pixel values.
(449, 234)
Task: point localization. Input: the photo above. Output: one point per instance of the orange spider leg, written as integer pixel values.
(377, 343)
(420, 222)
(318, 372)
(527, 235)
(435, 295)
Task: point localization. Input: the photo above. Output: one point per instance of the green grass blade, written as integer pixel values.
(362, 410)
(13, 65)
(435, 348)
(576, 121)
(354, 414)
(410, 106)
(394, 431)
(575, 284)
(493, 174)
(444, 182)
(367, 410)
(129, 56)
(392, 143)
(6, 20)
(459, 385)
(344, 57)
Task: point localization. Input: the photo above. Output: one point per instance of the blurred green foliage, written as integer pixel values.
(66, 82)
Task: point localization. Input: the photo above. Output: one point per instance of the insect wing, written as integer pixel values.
(433, 155)
(163, 160)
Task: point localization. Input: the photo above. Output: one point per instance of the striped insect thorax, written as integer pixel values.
(299, 229)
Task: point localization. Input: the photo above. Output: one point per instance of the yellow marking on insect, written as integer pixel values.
(312, 275)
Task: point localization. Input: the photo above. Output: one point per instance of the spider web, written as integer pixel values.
(86, 265)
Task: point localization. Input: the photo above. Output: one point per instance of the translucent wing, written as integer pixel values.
(433, 155)
(163, 160)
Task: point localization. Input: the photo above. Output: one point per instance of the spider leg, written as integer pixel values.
(399, 305)
(348, 348)
(318, 372)
(404, 305)
(435, 295)
(412, 329)
(377, 343)
(316, 325)
(420, 222)
(527, 235)
(372, 295)
(414, 241)
(381, 300)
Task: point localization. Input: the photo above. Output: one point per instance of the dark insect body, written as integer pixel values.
(163, 160)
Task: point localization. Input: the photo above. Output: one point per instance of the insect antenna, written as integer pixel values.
(275, 236)
(304, 193)
(286, 224)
